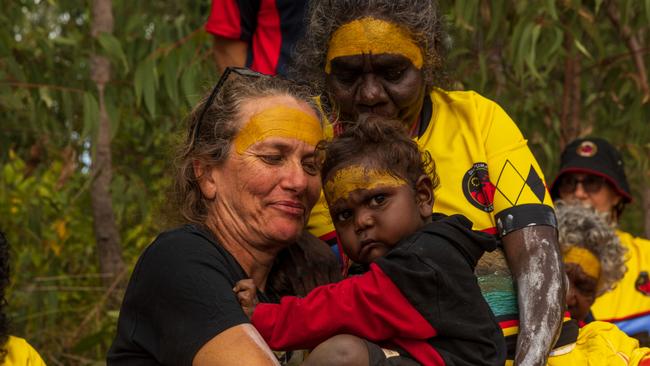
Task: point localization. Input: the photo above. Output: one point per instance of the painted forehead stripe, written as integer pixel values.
(352, 178)
(372, 36)
(279, 121)
(585, 259)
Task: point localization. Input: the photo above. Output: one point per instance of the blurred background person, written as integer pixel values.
(592, 172)
(594, 263)
(255, 33)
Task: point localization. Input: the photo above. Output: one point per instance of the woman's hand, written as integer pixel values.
(246, 292)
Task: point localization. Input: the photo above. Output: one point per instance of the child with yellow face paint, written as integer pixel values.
(419, 301)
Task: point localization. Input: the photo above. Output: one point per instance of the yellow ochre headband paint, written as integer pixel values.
(352, 178)
(585, 259)
(279, 121)
(372, 36)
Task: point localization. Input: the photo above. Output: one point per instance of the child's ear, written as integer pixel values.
(424, 195)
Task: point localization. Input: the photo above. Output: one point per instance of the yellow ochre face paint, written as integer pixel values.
(279, 121)
(585, 259)
(354, 177)
(372, 36)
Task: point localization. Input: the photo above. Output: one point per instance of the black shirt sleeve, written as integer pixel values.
(179, 297)
(248, 12)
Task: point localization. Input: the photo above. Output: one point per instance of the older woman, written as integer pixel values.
(247, 182)
(592, 254)
(592, 172)
(384, 57)
(594, 263)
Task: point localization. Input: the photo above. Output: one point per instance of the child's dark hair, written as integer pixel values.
(4, 282)
(382, 142)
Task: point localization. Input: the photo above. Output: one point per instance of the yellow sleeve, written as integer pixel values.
(601, 343)
(521, 197)
(320, 222)
(21, 353)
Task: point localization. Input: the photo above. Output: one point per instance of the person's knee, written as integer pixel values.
(340, 350)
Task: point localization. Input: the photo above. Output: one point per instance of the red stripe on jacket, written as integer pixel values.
(268, 41)
(369, 306)
(224, 20)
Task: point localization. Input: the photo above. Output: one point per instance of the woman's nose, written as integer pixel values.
(580, 192)
(371, 92)
(294, 177)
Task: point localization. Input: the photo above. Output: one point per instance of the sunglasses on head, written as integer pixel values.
(239, 71)
(590, 183)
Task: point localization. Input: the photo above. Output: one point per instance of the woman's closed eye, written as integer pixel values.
(346, 77)
(271, 159)
(587, 288)
(310, 166)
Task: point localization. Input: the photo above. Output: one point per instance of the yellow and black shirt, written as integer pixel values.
(628, 304)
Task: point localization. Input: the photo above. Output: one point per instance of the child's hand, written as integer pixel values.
(247, 295)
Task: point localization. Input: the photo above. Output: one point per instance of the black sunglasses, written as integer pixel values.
(240, 71)
(590, 183)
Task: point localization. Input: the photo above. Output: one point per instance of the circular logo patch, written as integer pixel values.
(477, 187)
(587, 149)
(642, 283)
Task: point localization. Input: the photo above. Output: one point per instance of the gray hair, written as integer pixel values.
(420, 17)
(582, 226)
(217, 131)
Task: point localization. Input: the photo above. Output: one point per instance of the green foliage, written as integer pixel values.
(515, 53)
(161, 65)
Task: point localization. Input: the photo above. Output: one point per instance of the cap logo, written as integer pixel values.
(587, 149)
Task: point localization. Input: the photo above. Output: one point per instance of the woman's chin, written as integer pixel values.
(286, 232)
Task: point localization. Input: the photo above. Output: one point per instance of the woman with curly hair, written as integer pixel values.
(592, 173)
(594, 263)
(15, 351)
(385, 58)
(594, 259)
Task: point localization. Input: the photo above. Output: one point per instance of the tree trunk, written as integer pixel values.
(107, 235)
(570, 116)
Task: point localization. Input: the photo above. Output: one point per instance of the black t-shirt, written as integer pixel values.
(179, 297)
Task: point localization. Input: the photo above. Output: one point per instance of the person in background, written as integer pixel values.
(594, 263)
(592, 172)
(385, 58)
(259, 34)
(14, 351)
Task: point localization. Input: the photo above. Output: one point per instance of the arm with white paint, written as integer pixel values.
(534, 258)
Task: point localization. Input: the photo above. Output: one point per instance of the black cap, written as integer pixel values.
(595, 156)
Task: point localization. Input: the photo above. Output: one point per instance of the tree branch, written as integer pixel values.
(634, 46)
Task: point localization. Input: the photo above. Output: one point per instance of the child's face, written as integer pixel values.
(372, 210)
